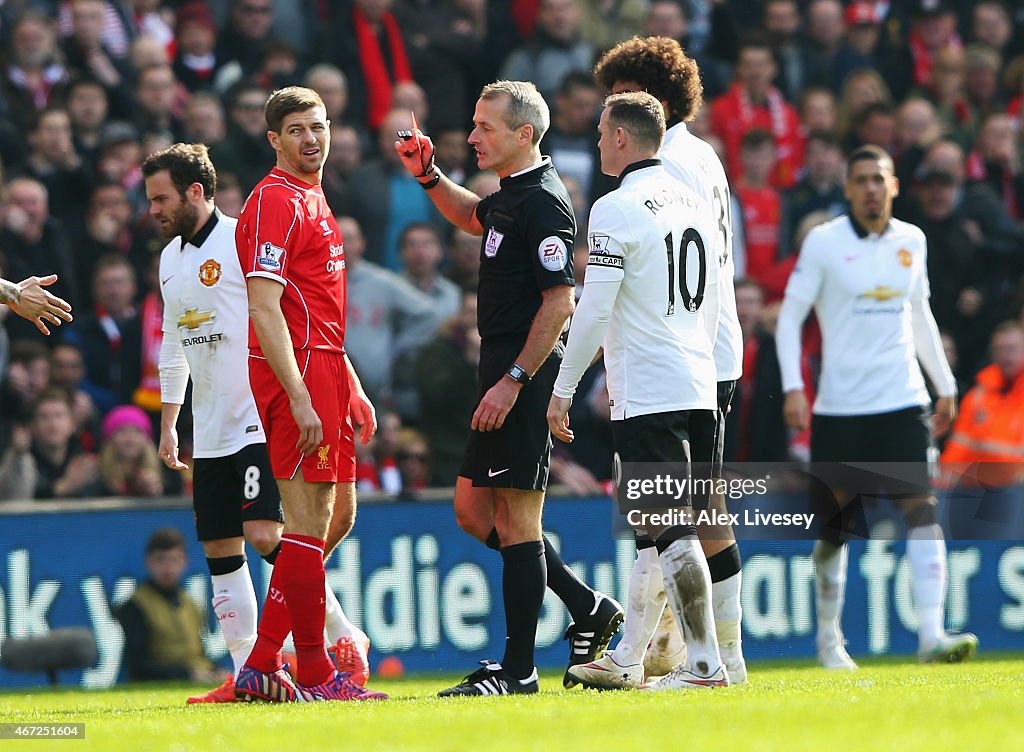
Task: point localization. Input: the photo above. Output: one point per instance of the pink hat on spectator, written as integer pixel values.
(126, 415)
(198, 13)
(862, 14)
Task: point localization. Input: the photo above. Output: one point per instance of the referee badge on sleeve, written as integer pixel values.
(553, 254)
(494, 239)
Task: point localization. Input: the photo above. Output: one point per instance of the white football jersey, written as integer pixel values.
(656, 237)
(861, 286)
(694, 161)
(206, 312)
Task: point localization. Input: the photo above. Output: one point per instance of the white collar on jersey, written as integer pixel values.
(543, 161)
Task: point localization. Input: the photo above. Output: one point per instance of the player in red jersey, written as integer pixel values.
(307, 394)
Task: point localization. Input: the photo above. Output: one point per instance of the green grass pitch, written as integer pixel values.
(887, 705)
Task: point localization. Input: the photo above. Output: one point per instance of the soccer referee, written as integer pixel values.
(525, 298)
(865, 274)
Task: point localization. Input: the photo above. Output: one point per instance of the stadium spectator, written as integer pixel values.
(995, 161)
(422, 251)
(875, 124)
(34, 242)
(412, 457)
(446, 379)
(755, 429)
(932, 28)
(364, 40)
(992, 26)
(464, 255)
(203, 119)
(344, 159)
(818, 111)
(388, 197)
(386, 317)
(26, 376)
(555, 49)
(155, 96)
(821, 187)
(113, 28)
(110, 335)
(18, 474)
(570, 141)
(917, 128)
(861, 88)
(782, 24)
(107, 229)
(229, 194)
(34, 71)
(981, 85)
(53, 161)
(121, 160)
(88, 107)
(830, 58)
(128, 462)
(331, 84)
(243, 42)
(604, 23)
(864, 29)
(148, 18)
(988, 429)
(88, 402)
(245, 152)
(451, 152)
(752, 102)
(443, 46)
(87, 53)
(196, 63)
(760, 203)
(162, 624)
(63, 468)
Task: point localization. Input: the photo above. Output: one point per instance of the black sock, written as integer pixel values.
(522, 584)
(571, 590)
(225, 564)
(725, 563)
(272, 556)
(493, 540)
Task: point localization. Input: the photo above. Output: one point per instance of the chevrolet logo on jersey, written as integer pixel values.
(193, 318)
(881, 294)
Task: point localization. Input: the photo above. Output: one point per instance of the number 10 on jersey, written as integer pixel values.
(690, 242)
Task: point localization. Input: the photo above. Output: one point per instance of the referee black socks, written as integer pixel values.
(570, 589)
(523, 581)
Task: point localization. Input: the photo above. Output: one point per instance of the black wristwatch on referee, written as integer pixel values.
(518, 374)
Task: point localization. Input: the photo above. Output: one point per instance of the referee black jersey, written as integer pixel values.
(527, 246)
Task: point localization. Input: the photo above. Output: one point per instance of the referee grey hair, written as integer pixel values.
(640, 115)
(525, 106)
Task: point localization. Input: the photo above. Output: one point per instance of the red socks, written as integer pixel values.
(296, 603)
(301, 569)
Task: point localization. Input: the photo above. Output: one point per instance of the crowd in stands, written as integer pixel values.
(89, 88)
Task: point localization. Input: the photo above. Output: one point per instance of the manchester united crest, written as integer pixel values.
(905, 258)
(209, 273)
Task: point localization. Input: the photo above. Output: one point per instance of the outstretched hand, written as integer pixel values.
(39, 306)
(415, 150)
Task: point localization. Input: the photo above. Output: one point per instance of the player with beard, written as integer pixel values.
(204, 336)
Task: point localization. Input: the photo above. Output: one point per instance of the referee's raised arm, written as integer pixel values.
(457, 204)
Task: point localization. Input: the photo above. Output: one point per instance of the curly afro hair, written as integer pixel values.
(660, 65)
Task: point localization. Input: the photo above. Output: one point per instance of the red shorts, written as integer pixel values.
(326, 378)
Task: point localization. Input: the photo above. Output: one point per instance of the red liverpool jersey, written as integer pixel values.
(287, 233)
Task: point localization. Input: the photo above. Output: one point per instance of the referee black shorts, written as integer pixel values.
(901, 436)
(228, 491)
(517, 455)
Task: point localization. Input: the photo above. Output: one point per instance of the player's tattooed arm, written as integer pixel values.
(9, 292)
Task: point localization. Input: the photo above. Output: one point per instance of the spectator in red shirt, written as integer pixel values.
(760, 202)
(752, 102)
